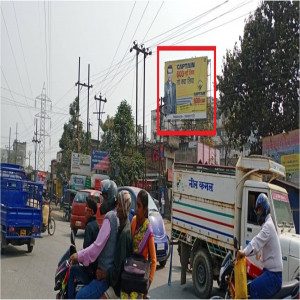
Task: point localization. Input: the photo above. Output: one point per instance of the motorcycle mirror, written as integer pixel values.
(72, 237)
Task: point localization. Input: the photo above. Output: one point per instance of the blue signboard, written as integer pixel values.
(100, 160)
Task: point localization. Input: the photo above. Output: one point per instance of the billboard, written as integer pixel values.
(284, 149)
(100, 160)
(81, 164)
(185, 88)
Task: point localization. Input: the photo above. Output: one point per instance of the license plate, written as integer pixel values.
(77, 223)
(161, 246)
(22, 232)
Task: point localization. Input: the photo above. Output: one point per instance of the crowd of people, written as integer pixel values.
(105, 251)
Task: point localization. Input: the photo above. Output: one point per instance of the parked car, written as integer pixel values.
(78, 207)
(161, 238)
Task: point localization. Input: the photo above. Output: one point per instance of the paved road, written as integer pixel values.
(31, 275)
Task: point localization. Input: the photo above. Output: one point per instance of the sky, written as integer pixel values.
(41, 43)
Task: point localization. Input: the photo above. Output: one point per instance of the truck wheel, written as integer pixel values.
(202, 274)
(51, 226)
(29, 248)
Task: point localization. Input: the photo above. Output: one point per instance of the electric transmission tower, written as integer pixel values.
(43, 133)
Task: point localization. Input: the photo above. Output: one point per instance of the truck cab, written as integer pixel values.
(282, 218)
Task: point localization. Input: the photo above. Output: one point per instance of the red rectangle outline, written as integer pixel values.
(186, 48)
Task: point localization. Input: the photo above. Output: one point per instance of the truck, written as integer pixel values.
(214, 205)
(21, 208)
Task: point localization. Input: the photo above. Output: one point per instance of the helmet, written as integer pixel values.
(262, 202)
(110, 191)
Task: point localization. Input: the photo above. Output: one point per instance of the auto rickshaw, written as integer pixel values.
(67, 203)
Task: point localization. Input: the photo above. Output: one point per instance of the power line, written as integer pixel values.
(119, 42)
(22, 50)
(13, 98)
(126, 52)
(11, 47)
(153, 21)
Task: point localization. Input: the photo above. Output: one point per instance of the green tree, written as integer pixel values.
(69, 142)
(118, 138)
(259, 85)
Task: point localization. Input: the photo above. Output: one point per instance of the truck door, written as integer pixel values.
(251, 227)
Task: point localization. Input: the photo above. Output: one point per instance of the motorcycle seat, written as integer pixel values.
(288, 288)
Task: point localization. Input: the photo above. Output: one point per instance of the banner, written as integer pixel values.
(284, 149)
(100, 160)
(185, 88)
(81, 164)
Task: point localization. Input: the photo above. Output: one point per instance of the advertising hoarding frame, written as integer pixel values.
(186, 132)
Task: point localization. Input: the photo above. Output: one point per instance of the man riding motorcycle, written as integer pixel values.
(265, 242)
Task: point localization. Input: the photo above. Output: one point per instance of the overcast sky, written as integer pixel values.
(41, 42)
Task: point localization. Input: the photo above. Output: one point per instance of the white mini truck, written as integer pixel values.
(212, 205)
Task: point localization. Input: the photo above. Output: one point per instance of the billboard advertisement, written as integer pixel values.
(100, 161)
(81, 164)
(284, 149)
(185, 88)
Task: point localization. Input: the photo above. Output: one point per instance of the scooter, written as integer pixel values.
(62, 272)
(289, 290)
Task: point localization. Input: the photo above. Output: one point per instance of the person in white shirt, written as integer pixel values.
(266, 242)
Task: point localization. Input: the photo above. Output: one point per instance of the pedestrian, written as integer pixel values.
(142, 239)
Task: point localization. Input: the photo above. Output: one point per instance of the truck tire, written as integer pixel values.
(202, 274)
(29, 248)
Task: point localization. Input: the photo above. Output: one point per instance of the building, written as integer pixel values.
(17, 155)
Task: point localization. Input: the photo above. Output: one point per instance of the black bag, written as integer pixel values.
(135, 276)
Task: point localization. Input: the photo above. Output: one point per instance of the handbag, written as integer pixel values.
(135, 276)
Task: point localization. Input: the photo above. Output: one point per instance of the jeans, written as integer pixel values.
(79, 273)
(266, 285)
(94, 290)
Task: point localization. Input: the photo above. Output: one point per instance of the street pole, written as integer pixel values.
(145, 51)
(88, 86)
(35, 141)
(9, 145)
(135, 47)
(99, 114)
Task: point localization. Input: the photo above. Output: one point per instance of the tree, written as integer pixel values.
(126, 163)
(259, 85)
(69, 142)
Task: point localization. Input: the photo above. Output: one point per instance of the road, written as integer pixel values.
(31, 275)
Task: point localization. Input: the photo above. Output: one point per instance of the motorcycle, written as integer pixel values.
(51, 222)
(62, 272)
(288, 290)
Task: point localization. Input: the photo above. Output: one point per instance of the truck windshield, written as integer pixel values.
(283, 210)
(81, 197)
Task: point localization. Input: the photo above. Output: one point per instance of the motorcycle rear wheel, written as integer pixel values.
(51, 226)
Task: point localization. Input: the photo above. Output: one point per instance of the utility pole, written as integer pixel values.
(16, 144)
(135, 47)
(145, 51)
(99, 113)
(78, 83)
(35, 141)
(29, 154)
(9, 145)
